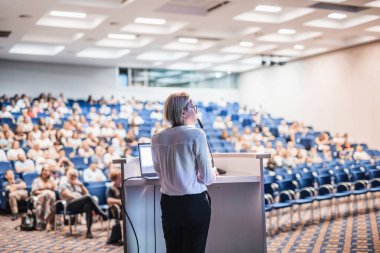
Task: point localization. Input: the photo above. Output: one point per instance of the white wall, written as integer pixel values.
(339, 92)
(80, 81)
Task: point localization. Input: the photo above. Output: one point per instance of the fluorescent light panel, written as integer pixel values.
(374, 29)
(373, 4)
(187, 40)
(120, 36)
(337, 15)
(102, 53)
(268, 8)
(150, 21)
(161, 56)
(287, 31)
(246, 43)
(68, 14)
(36, 49)
(299, 47)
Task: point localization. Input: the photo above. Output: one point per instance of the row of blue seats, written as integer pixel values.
(307, 186)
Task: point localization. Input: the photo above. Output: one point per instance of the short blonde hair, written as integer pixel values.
(174, 105)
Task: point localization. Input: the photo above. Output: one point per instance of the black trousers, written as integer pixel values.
(85, 204)
(185, 221)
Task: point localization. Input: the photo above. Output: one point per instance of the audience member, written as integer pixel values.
(44, 188)
(360, 154)
(23, 165)
(79, 200)
(93, 174)
(17, 192)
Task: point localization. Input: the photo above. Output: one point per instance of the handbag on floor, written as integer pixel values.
(115, 235)
(28, 221)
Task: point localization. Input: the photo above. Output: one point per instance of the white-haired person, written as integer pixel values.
(181, 159)
(76, 194)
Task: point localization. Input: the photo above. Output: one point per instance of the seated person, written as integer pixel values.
(78, 199)
(24, 165)
(114, 201)
(360, 154)
(3, 156)
(44, 188)
(93, 174)
(113, 193)
(15, 151)
(219, 123)
(17, 192)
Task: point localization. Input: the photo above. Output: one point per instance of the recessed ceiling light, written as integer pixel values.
(337, 15)
(373, 4)
(188, 40)
(68, 14)
(299, 47)
(102, 53)
(246, 43)
(120, 36)
(150, 21)
(36, 49)
(158, 55)
(268, 8)
(287, 31)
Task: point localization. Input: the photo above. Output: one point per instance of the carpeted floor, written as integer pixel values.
(12, 240)
(354, 230)
(351, 231)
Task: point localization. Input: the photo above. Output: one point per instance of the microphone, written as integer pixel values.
(220, 171)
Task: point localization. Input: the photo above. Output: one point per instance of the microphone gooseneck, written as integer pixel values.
(208, 145)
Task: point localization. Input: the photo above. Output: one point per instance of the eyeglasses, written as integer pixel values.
(195, 108)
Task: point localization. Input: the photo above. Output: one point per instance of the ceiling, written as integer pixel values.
(216, 35)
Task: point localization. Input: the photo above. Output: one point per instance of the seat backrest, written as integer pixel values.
(4, 166)
(342, 178)
(268, 189)
(374, 174)
(100, 192)
(287, 184)
(358, 175)
(28, 178)
(306, 182)
(324, 179)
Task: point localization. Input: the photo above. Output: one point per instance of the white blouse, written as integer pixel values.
(180, 157)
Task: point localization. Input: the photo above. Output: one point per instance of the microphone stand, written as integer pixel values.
(220, 171)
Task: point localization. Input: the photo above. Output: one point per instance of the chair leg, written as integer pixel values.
(70, 229)
(278, 218)
(291, 217)
(270, 222)
(312, 212)
(320, 210)
(55, 223)
(337, 207)
(299, 213)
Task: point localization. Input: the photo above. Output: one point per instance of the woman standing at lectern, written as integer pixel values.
(180, 157)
